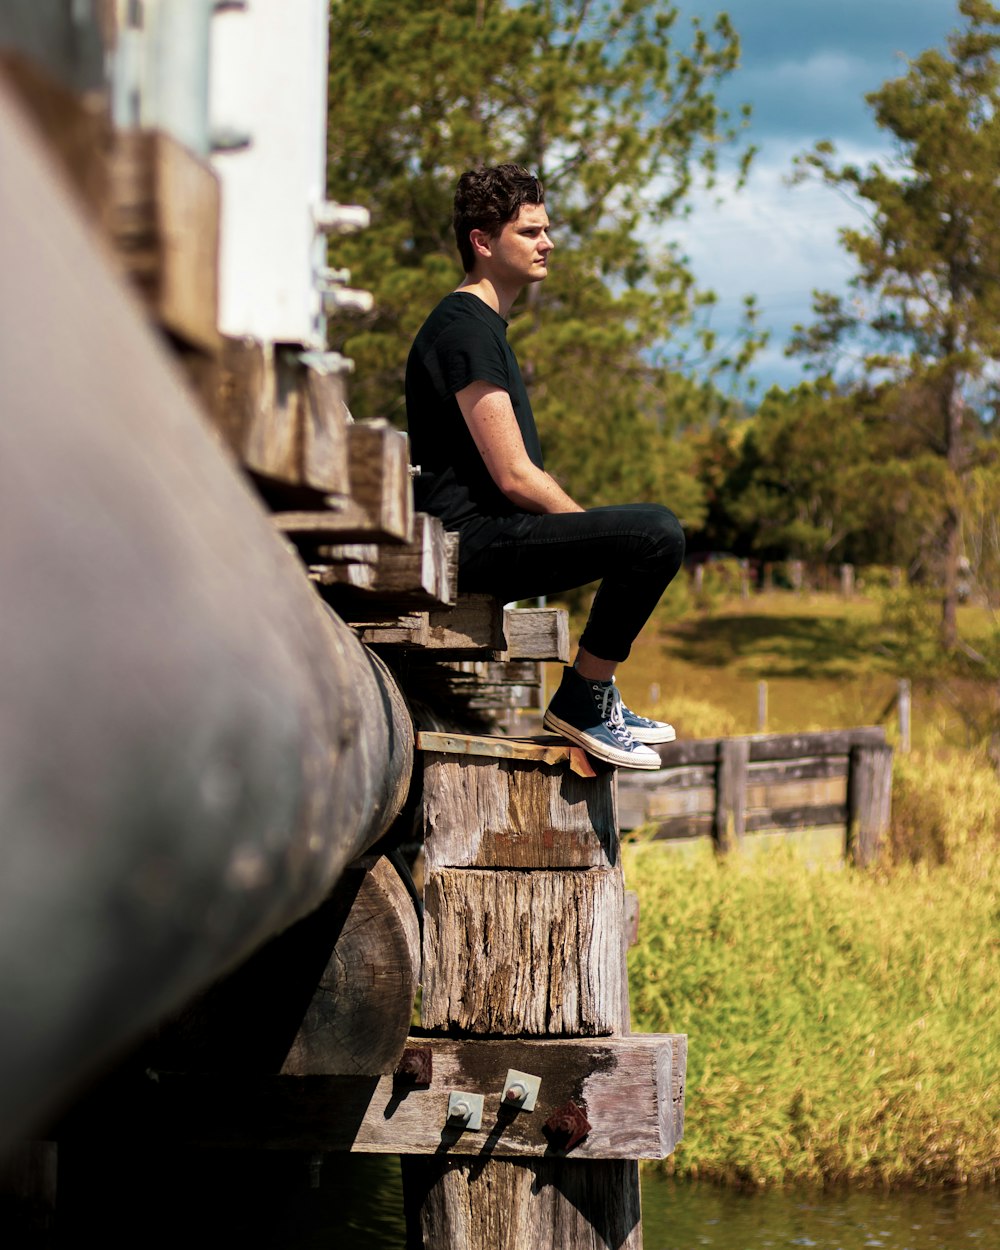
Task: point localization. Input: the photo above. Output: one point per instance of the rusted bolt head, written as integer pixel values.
(567, 1126)
(415, 1065)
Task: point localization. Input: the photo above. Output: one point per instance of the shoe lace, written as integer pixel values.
(611, 714)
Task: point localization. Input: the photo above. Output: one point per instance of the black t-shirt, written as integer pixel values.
(462, 341)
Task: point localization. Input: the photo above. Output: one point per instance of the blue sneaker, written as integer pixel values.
(643, 729)
(589, 713)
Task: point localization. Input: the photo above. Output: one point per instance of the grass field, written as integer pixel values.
(829, 663)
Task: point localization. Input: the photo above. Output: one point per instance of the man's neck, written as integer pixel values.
(490, 292)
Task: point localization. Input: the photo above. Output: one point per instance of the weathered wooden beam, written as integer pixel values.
(538, 953)
(413, 576)
(536, 634)
(772, 746)
(284, 420)
(731, 792)
(631, 1087)
(197, 745)
(163, 218)
(544, 749)
(406, 631)
(360, 1012)
(509, 813)
(869, 800)
(474, 624)
(379, 459)
(380, 507)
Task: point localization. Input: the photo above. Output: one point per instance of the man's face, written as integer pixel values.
(520, 251)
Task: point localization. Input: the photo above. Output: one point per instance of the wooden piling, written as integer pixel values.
(532, 946)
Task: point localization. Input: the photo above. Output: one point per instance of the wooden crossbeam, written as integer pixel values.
(632, 1088)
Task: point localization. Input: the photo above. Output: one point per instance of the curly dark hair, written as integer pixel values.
(487, 198)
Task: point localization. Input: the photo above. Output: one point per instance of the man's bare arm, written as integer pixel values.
(490, 417)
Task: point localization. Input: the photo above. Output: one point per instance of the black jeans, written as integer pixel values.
(634, 550)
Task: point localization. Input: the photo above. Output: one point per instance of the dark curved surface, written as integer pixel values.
(192, 747)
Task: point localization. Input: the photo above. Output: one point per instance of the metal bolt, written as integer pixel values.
(520, 1090)
(465, 1110)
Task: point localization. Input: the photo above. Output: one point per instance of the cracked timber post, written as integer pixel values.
(524, 937)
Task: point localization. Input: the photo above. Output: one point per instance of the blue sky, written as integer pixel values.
(806, 66)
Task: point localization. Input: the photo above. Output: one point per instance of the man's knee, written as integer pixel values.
(667, 535)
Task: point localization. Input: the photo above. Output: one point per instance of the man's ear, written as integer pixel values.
(482, 243)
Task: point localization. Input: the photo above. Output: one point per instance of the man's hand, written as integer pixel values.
(490, 417)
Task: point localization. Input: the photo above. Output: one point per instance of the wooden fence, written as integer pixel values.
(829, 790)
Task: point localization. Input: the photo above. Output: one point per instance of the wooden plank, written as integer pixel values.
(629, 1086)
(537, 634)
(539, 953)
(510, 813)
(869, 800)
(808, 793)
(730, 792)
(356, 575)
(777, 771)
(411, 576)
(662, 804)
(815, 816)
(475, 623)
(323, 462)
(689, 751)
(683, 828)
(378, 458)
(418, 571)
(544, 749)
(284, 421)
(828, 742)
(164, 222)
(409, 630)
(772, 746)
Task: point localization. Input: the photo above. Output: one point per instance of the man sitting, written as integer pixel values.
(473, 435)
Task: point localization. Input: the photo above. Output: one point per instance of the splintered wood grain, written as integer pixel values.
(509, 813)
(558, 1205)
(539, 953)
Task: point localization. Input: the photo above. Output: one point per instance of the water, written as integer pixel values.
(679, 1216)
(686, 1216)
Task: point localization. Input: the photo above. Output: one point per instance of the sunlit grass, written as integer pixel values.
(843, 1025)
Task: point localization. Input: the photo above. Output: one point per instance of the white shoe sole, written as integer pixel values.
(654, 736)
(621, 759)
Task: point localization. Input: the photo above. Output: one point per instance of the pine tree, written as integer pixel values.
(927, 306)
(617, 118)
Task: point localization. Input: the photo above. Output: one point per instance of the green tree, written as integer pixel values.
(926, 310)
(799, 485)
(617, 118)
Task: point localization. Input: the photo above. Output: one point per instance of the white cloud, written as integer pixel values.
(771, 240)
